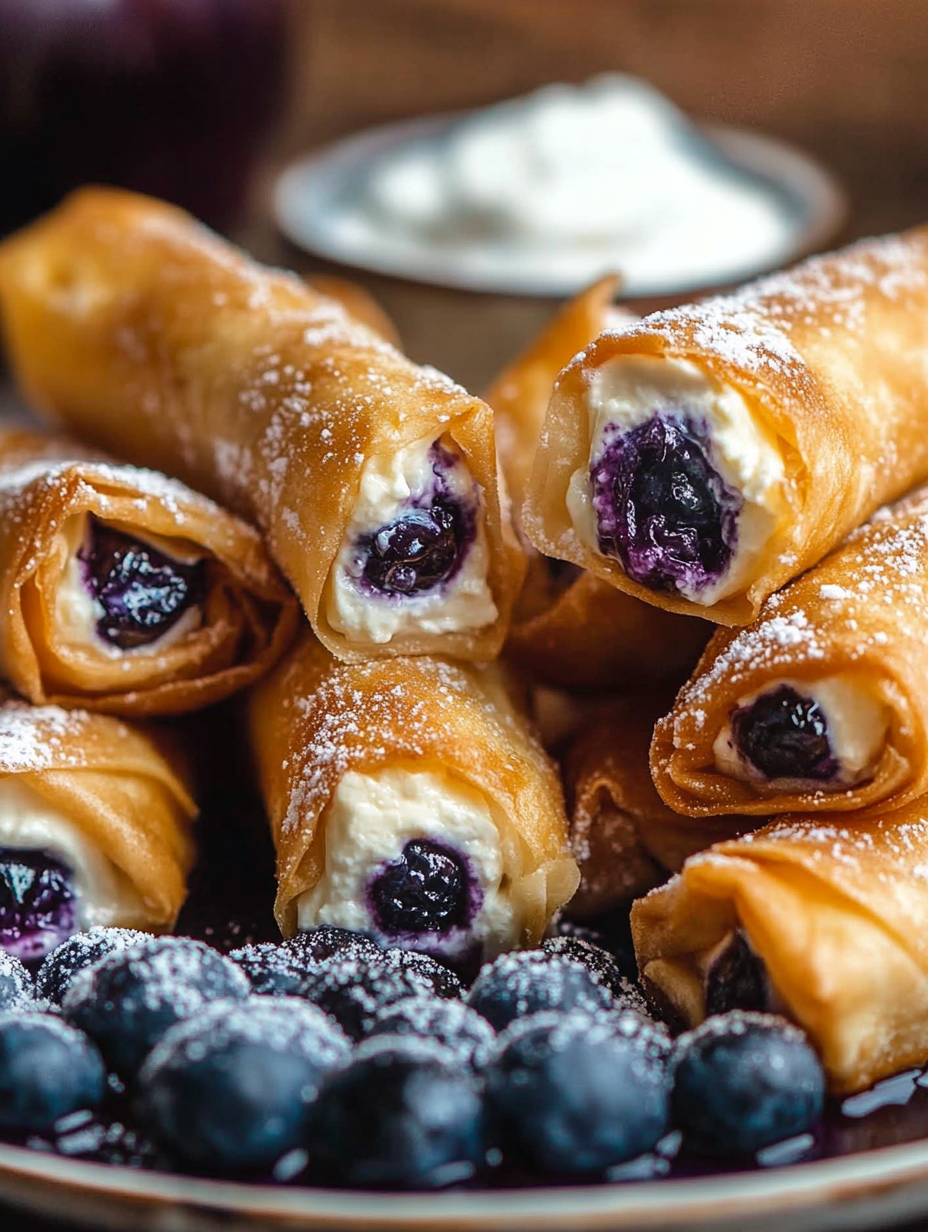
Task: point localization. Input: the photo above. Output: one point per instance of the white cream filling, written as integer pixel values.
(77, 611)
(105, 895)
(369, 821)
(627, 391)
(857, 726)
(388, 486)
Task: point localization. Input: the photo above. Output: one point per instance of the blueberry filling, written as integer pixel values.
(785, 735)
(427, 890)
(737, 979)
(416, 552)
(663, 510)
(143, 593)
(38, 906)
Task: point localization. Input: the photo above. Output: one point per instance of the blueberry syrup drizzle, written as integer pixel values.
(427, 890)
(662, 508)
(427, 545)
(38, 905)
(784, 735)
(737, 979)
(143, 593)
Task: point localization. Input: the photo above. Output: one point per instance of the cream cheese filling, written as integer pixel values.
(627, 391)
(390, 484)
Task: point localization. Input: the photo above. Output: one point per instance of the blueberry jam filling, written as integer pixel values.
(663, 510)
(143, 593)
(785, 736)
(38, 905)
(737, 979)
(427, 890)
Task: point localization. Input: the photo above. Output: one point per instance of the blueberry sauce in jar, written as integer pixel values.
(784, 735)
(38, 903)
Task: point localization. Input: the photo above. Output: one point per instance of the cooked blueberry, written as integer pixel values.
(38, 906)
(785, 736)
(353, 990)
(327, 941)
(737, 979)
(663, 509)
(603, 968)
(743, 1081)
(272, 970)
(417, 551)
(16, 986)
(433, 975)
(528, 981)
(573, 1095)
(143, 593)
(79, 951)
(47, 1070)
(230, 1089)
(402, 1115)
(427, 890)
(128, 1000)
(452, 1023)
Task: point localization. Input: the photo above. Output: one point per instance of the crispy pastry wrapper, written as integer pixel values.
(625, 839)
(831, 358)
(861, 614)
(249, 614)
(838, 916)
(151, 337)
(314, 719)
(125, 787)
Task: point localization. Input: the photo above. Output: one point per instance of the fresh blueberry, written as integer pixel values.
(16, 986)
(47, 1070)
(603, 968)
(573, 1095)
(452, 1023)
(230, 1089)
(38, 906)
(737, 979)
(417, 551)
(328, 941)
(785, 736)
(528, 981)
(663, 509)
(353, 990)
(143, 593)
(128, 1000)
(79, 951)
(433, 975)
(426, 890)
(402, 1115)
(612, 932)
(272, 970)
(743, 1081)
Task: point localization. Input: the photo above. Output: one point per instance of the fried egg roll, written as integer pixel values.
(124, 591)
(704, 456)
(373, 479)
(95, 826)
(821, 702)
(826, 924)
(408, 797)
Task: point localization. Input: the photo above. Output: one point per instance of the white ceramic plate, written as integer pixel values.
(311, 195)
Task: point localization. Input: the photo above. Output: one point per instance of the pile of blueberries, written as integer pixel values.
(328, 1060)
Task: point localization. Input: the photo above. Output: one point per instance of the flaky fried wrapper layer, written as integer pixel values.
(124, 787)
(314, 719)
(831, 358)
(862, 614)
(151, 337)
(249, 614)
(839, 917)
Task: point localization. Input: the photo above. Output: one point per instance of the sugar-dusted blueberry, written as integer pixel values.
(784, 735)
(38, 903)
(737, 978)
(403, 1115)
(127, 1000)
(47, 1070)
(572, 1095)
(317, 945)
(230, 1089)
(452, 1023)
(16, 986)
(433, 975)
(427, 889)
(416, 551)
(528, 981)
(603, 968)
(743, 1081)
(353, 990)
(79, 951)
(272, 970)
(142, 592)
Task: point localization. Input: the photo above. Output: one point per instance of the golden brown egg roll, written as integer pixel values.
(826, 924)
(706, 455)
(821, 702)
(124, 591)
(373, 479)
(95, 826)
(381, 776)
